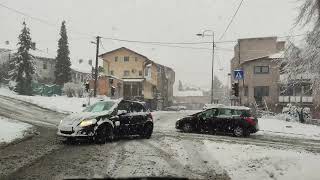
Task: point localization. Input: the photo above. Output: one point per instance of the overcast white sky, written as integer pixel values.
(151, 20)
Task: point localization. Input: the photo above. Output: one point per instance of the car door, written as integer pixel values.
(205, 119)
(211, 119)
(222, 119)
(138, 116)
(124, 118)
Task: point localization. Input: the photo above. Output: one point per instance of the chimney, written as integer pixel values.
(90, 62)
(80, 61)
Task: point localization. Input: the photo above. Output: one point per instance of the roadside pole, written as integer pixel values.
(96, 69)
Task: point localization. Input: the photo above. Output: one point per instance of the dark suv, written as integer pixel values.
(105, 120)
(227, 119)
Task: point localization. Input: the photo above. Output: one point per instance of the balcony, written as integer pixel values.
(295, 99)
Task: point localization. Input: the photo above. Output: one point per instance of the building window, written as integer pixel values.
(307, 90)
(260, 91)
(116, 59)
(126, 73)
(261, 69)
(45, 65)
(286, 90)
(140, 73)
(246, 91)
(111, 72)
(133, 71)
(126, 59)
(136, 59)
(147, 71)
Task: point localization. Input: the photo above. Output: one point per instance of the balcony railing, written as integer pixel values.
(295, 99)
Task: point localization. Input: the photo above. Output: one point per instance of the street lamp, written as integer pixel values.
(211, 33)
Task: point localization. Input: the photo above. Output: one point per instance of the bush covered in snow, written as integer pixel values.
(294, 113)
(73, 90)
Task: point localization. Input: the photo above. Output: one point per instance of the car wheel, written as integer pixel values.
(101, 135)
(147, 131)
(110, 134)
(187, 128)
(238, 131)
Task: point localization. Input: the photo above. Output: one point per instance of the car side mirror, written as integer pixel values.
(121, 112)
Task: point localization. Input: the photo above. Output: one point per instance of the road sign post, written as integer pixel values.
(238, 75)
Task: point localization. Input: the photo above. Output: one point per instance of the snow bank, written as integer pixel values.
(254, 162)
(291, 129)
(57, 103)
(12, 129)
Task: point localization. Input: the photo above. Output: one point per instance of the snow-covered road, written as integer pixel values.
(167, 153)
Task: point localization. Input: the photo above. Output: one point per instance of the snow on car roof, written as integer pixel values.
(209, 106)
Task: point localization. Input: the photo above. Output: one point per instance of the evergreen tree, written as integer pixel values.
(23, 68)
(63, 69)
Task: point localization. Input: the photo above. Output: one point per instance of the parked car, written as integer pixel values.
(106, 120)
(175, 108)
(225, 119)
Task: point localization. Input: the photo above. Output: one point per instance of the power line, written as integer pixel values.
(38, 19)
(167, 45)
(234, 15)
(27, 15)
(153, 42)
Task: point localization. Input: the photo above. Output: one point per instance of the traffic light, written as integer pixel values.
(113, 90)
(236, 93)
(235, 89)
(87, 86)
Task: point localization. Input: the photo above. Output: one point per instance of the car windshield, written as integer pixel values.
(100, 106)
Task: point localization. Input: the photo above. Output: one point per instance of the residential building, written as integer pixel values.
(5, 55)
(298, 91)
(81, 72)
(45, 66)
(143, 79)
(191, 99)
(258, 57)
(108, 85)
(165, 81)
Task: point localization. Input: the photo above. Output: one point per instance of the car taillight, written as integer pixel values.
(251, 121)
(151, 116)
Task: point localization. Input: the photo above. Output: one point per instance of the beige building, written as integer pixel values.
(257, 58)
(142, 78)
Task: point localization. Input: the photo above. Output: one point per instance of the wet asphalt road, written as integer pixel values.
(44, 156)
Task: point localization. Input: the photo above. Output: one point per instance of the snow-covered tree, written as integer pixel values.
(63, 64)
(180, 88)
(305, 60)
(22, 63)
(217, 84)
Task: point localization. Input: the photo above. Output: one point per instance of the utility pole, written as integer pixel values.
(212, 67)
(239, 54)
(212, 75)
(96, 69)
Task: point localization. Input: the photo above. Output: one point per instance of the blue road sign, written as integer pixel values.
(238, 74)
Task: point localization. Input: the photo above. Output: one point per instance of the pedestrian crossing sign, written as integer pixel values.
(238, 74)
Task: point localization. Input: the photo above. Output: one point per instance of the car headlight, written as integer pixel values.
(87, 122)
